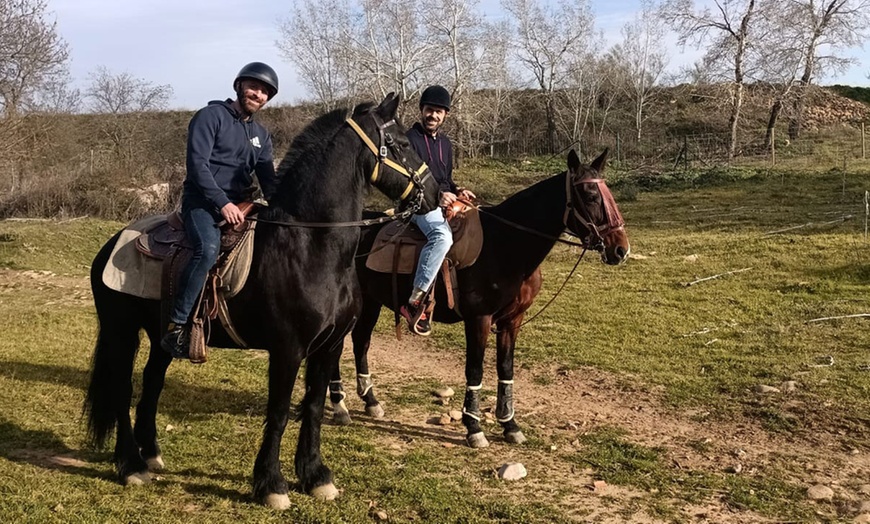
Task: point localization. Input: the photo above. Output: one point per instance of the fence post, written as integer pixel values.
(863, 143)
(773, 146)
(866, 212)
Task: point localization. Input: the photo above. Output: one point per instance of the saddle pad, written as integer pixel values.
(131, 271)
(467, 243)
(128, 270)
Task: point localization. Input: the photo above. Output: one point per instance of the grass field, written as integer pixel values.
(635, 337)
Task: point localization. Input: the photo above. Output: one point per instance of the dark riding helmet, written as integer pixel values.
(259, 71)
(435, 96)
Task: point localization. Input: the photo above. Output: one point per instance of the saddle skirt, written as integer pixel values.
(397, 246)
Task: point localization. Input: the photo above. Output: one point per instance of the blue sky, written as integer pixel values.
(197, 46)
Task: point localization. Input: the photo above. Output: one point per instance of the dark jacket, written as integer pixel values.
(222, 153)
(437, 152)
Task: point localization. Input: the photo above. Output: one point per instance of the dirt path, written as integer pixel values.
(560, 406)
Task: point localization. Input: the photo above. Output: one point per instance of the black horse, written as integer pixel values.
(500, 286)
(300, 301)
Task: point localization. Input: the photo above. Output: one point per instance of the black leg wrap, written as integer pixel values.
(471, 410)
(336, 392)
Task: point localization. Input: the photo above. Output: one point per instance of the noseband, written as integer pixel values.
(577, 212)
(387, 144)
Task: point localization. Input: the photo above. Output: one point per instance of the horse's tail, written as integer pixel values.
(110, 386)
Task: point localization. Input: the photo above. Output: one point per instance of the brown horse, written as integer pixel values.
(500, 286)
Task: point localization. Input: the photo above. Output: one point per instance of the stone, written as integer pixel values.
(444, 392)
(736, 468)
(380, 516)
(690, 258)
(863, 518)
(598, 485)
(455, 414)
(789, 386)
(820, 492)
(445, 420)
(764, 389)
(512, 471)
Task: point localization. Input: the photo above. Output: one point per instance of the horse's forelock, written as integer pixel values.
(363, 108)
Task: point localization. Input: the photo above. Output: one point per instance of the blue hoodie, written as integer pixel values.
(222, 153)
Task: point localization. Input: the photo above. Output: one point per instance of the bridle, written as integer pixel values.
(578, 213)
(381, 152)
(410, 202)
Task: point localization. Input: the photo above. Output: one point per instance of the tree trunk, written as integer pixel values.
(734, 119)
(775, 109)
(551, 123)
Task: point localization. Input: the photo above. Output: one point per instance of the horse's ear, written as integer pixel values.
(389, 106)
(573, 161)
(598, 164)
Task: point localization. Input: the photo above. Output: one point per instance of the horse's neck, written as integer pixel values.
(323, 186)
(541, 208)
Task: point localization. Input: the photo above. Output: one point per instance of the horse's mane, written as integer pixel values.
(317, 134)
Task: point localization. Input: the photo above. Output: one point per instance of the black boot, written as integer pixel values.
(418, 321)
(176, 341)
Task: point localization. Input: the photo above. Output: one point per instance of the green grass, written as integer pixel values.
(706, 346)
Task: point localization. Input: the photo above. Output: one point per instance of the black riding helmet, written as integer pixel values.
(259, 71)
(435, 96)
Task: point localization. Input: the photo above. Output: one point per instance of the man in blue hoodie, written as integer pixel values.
(224, 147)
(436, 150)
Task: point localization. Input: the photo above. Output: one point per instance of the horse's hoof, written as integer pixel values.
(277, 501)
(515, 437)
(325, 492)
(155, 464)
(137, 479)
(341, 419)
(477, 440)
(375, 411)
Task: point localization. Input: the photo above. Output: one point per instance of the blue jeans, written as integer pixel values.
(440, 238)
(204, 236)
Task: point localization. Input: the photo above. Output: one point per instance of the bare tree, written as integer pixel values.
(394, 48)
(118, 93)
(492, 81)
(124, 99)
(316, 39)
(457, 28)
(776, 61)
(32, 53)
(824, 28)
(547, 38)
(642, 59)
(726, 33)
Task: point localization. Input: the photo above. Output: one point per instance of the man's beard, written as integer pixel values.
(244, 101)
(429, 123)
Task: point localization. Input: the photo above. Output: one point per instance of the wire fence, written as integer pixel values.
(835, 147)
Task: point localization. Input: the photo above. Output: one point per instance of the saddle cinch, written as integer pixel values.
(396, 248)
(159, 255)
